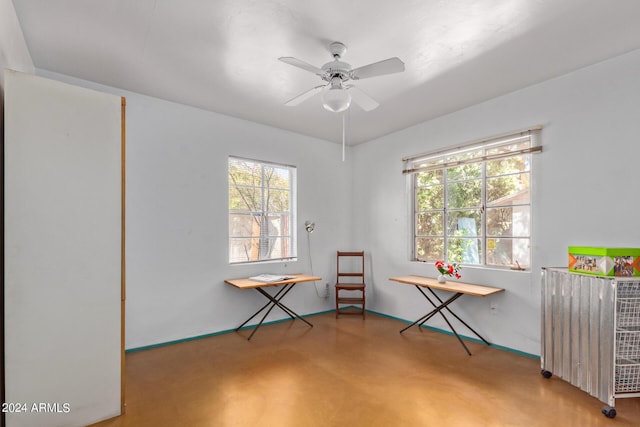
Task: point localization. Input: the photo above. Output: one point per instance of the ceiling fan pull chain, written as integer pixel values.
(344, 132)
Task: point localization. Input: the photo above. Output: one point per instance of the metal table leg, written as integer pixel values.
(459, 319)
(438, 309)
(274, 300)
(433, 312)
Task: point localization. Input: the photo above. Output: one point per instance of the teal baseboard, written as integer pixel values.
(213, 334)
(511, 350)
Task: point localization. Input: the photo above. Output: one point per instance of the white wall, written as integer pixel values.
(583, 191)
(63, 243)
(177, 218)
(14, 54)
(13, 49)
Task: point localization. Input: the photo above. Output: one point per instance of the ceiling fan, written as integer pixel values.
(337, 94)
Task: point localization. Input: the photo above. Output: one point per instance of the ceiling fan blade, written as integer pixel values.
(362, 99)
(303, 96)
(387, 66)
(301, 64)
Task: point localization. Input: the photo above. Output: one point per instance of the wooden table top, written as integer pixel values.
(449, 286)
(247, 283)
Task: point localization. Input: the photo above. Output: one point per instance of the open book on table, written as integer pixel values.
(270, 277)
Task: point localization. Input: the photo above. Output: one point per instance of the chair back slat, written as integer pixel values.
(350, 278)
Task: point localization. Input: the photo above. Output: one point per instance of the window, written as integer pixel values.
(262, 203)
(472, 204)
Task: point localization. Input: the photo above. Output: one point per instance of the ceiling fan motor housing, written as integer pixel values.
(336, 69)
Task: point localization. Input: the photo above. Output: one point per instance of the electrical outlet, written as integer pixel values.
(326, 290)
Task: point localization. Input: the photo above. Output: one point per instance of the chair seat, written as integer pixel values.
(350, 300)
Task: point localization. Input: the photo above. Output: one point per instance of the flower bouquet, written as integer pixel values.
(451, 270)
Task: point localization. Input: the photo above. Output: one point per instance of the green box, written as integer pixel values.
(620, 262)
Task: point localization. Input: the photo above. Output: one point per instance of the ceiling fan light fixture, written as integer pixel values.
(336, 100)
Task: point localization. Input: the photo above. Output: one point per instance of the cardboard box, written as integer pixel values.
(621, 262)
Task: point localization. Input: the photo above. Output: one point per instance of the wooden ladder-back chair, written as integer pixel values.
(350, 286)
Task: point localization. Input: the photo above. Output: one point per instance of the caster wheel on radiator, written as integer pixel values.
(609, 412)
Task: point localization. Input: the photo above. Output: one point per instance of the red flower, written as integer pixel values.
(448, 269)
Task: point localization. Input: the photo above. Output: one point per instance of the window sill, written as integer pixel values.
(266, 261)
(468, 267)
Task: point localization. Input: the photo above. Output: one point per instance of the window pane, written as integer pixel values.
(243, 249)
(464, 223)
(464, 250)
(466, 194)
(429, 248)
(278, 200)
(509, 222)
(273, 248)
(508, 190)
(470, 153)
(245, 199)
(508, 252)
(252, 225)
(464, 172)
(430, 224)
(429, 178)
(277, 225)
(243, 225)
(245, 172)
(430, 198)
(509, 165)
(257, 249)
(276, 177)
(509, 148)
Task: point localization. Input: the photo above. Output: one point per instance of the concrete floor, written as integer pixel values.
(349, 371)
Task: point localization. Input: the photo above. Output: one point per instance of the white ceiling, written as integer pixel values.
(221, 55)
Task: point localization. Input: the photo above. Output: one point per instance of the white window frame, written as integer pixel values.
(261, 217)
(454, 156)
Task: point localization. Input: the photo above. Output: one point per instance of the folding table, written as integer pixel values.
(274, 300)
(457, 288)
